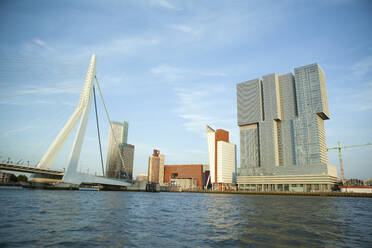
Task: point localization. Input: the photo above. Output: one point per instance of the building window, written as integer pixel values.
(174, 175)
(286, 187)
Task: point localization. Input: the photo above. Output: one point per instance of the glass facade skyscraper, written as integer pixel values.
(118, 139)
(282, 136)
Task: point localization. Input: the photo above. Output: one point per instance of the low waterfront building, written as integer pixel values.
(141, 177)
(353, 182)
(184, 183)
(368, 182)
(186, 171)
(4, 177)
(356, 189)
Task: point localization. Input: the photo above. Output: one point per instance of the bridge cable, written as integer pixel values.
(108, 117)
(99, 135)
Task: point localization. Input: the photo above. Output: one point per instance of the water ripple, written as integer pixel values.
(35, 218)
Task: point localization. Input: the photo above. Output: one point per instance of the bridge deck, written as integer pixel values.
(85, 178)
(19, 168)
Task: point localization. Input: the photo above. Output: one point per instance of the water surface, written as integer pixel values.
(43, 218)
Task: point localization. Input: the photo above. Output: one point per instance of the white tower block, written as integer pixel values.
(83, 109)
(211, 140)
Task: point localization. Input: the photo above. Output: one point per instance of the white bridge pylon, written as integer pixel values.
(81, 113)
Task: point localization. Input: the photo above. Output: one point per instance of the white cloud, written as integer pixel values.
(195, 122)
(204, 106)
(171, 73)
(185, 29)
(363, 67)
(168, 72)
(35, 44)
(39, 42)
(362, 100)
(198, 151)
(182, 28)
(354, 99)
(18, 130)
(120, 45)
(18, 103)
(27, 102)
(214, 74)
(44, 91)
(163, 4)
(70, 104)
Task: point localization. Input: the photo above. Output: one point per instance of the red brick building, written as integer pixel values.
(184, 171)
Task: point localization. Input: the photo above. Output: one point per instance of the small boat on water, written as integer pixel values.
(89, 187)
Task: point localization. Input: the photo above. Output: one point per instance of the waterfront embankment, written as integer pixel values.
(323, 194)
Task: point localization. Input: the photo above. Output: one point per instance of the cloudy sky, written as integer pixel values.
(171, 67)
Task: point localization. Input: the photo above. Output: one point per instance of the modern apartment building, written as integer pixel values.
(222, 159)
(282, 135)
(119, 166)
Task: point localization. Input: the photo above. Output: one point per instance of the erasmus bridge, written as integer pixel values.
(71, 177)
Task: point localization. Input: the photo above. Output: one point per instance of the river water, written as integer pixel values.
(43, 218)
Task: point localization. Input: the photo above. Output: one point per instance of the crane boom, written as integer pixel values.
(351, 146)
(367, 144)
(339, 148)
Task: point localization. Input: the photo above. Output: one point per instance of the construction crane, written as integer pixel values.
(339, 148)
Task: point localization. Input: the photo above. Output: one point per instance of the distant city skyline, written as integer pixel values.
(171, 67)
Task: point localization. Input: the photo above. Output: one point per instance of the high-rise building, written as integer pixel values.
(127, 151)
(282, 135)
(119, 166)
(156, 168)
(222, 158)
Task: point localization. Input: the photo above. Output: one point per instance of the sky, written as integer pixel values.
(169, 68)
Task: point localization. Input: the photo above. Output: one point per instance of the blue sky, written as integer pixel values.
(171, 67)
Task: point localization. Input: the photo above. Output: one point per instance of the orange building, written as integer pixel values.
(184, 171)
(221, 135)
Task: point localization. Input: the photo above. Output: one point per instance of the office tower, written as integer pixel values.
(119, 166)
(127, 151)
(156, 168)
(222, 158)
(282, 135)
